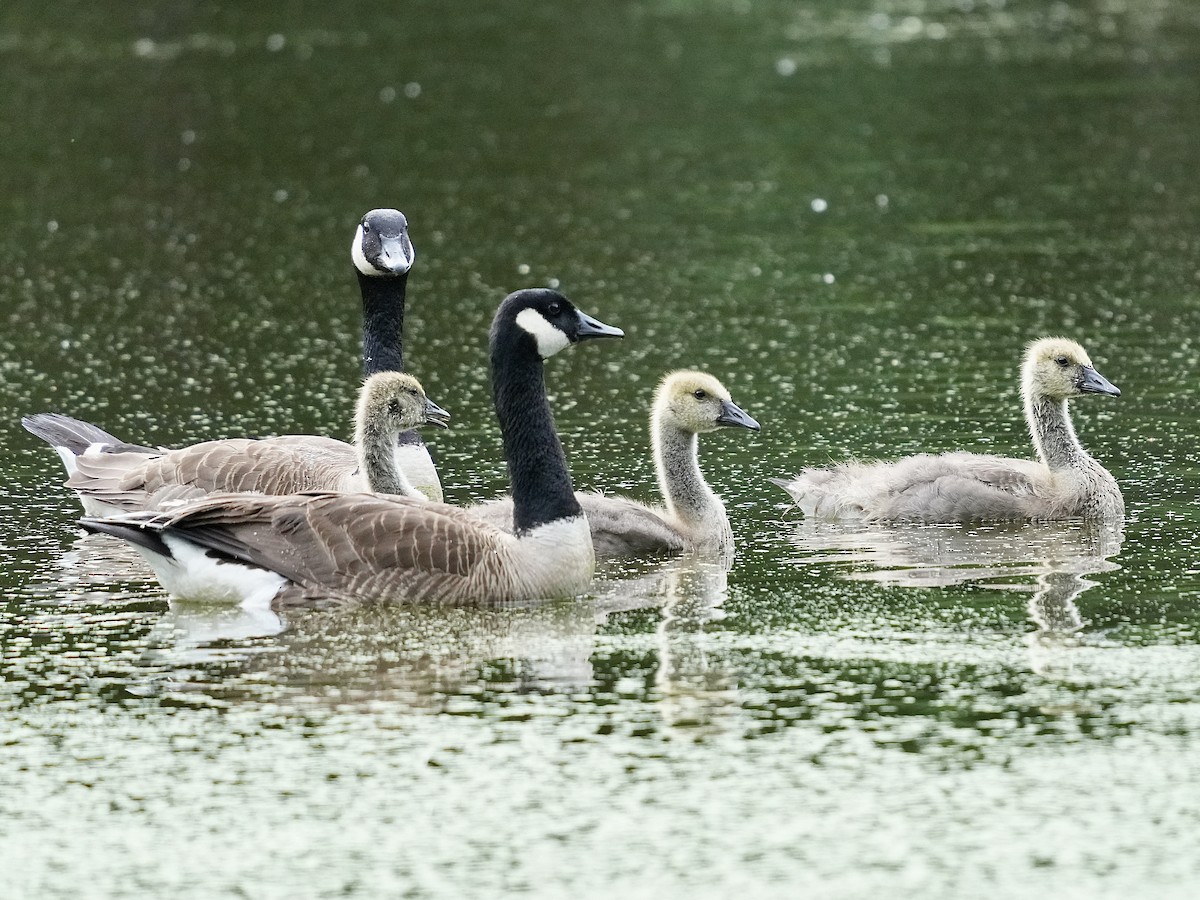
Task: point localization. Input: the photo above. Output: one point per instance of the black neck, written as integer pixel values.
(541, 484)
(383, 322)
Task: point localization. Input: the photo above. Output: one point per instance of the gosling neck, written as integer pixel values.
(687, 495)
(542, 490)
(383, 322)
(1053, 434)
(375, 444)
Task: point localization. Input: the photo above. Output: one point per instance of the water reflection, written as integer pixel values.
(96, 563)
(431, 657)
(943, 555)
(1004, 556)
(693, 683)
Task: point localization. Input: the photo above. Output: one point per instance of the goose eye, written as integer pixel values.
(554, 308)
(699, 393)
(1063, 361)
(366, 226)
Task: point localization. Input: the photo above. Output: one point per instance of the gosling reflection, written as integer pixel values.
(1052, 606)
(1053, 609)
(1004, 556)
(695, 684)
(692, 683)
(943, 555)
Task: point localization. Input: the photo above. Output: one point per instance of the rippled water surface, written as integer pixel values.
(854, 213)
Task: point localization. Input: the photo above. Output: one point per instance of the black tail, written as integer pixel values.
(137, 534)
(58, 430)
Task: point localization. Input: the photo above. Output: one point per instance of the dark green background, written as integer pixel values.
(179, 184)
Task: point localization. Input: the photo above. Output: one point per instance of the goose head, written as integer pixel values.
(1057, 369)
(393, 401)
(547, 319)
(695, 402)
(381, 245)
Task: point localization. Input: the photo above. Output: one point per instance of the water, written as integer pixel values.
(855, 214)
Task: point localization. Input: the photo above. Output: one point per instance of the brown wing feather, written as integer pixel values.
(283, 465)
(349, 544)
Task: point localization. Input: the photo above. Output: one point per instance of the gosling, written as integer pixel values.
(1065, 483)
(692, 517)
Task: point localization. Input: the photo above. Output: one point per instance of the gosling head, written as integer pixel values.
(393, 401)
(695, 402)
(381, 246)
(1057, 368)
(548, 319)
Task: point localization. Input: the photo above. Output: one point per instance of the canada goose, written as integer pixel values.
(383, 254)
(1065, 482)
(289, 549)
(113, 477)
(686, 404)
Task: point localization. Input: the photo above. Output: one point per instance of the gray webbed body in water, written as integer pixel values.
(382, 255)
(1065, 482)
(322, 546)
(114, 477)
(692, 516)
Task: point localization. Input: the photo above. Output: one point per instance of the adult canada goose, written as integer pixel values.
(316, 545)
(113, 477)
(382, 254)
(692, 517)
(1065, 482)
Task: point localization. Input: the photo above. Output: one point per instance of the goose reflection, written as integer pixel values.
(424, 656)
(437, 658)
(94, 563)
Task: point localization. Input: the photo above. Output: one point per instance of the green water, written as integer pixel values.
(854, 213)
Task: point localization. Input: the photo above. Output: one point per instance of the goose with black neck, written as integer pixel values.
(352, 547)
(103, 468)
(383, 255)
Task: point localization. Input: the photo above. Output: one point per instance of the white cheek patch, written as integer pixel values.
(550, 339)
(356, 253)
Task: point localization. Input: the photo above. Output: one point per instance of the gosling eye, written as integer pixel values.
(699, 393)
(366, 227)
(1063, 361)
